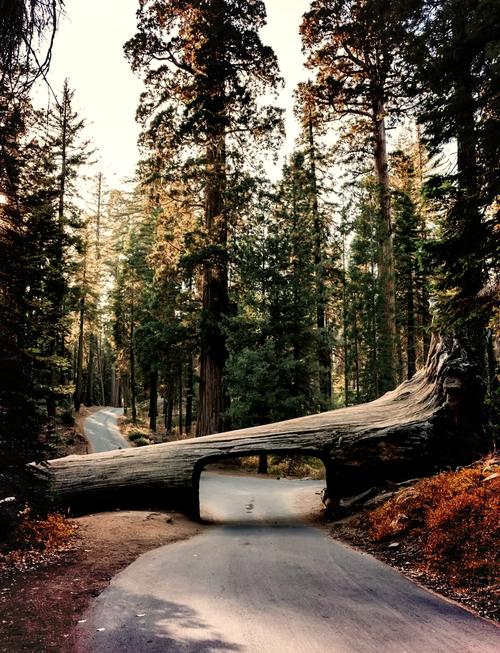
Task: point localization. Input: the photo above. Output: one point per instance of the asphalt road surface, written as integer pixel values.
(261, 581)
(102, 432)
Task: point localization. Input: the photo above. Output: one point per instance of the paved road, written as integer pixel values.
(263, 582)
(101, 430)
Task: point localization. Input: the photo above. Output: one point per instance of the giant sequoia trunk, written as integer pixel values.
(430, 421)
(215, 294)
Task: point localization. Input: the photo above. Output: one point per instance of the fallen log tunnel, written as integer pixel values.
(428, 422)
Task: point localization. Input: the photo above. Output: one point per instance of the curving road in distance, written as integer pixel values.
(102, 432)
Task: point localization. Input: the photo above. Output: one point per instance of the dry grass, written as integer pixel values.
(453, 518)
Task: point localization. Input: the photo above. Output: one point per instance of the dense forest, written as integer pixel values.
(209, 295)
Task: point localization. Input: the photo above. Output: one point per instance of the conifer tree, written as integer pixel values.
(69, 152)
(23, 26)
(453, 58)
(273, 335)
(318, 162)
(362, 314)
(354, 47)
(411, 235)
(204, 66)
(30, 238)
(20, 385)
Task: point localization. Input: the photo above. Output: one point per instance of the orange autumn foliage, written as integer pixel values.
(452, 517)
(49, 533)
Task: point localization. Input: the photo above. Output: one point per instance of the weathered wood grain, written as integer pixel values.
(420, 425)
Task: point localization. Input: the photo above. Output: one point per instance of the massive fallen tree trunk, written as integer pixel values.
(428, 422)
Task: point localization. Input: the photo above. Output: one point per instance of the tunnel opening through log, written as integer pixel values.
(223, 486)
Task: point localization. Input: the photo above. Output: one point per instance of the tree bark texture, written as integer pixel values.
(125, 385)
(100, 362)
(428, 422)
(180, 404)
(189, 395)
(153, 399)
(89, 395)
(133, 393)
(168, 405)
(215, 294)
(114, 387)
(79, 365)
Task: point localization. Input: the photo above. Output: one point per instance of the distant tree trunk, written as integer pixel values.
(215, 294)
(399, 363)
(114, 389)
(132, 374)
(169, 414)
(373, 325)
(153, 399)
(344, 326)
(386, 253)
(51, 400)
(411, 353)
(426, 321)
(323, 349)
(180, 400)
(346, 371)
(262, 469)
(75, 362)
(98, 217)
(189, 395)
(356, 356)
(168, 404)
(59, 298)
(125, 385)
(89, 395)
(79, 364)
(100, 363)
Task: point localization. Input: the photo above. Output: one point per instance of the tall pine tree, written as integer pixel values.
(354, 47)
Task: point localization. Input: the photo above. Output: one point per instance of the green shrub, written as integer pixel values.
(142, 442)
(136, 435)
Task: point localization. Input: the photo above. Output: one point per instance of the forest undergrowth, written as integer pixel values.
(442, 531)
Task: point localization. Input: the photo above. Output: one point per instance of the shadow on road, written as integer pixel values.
(159, 627)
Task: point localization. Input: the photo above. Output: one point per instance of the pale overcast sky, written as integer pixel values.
(89, 51)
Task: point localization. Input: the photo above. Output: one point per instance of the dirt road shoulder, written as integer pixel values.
(42, 598)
